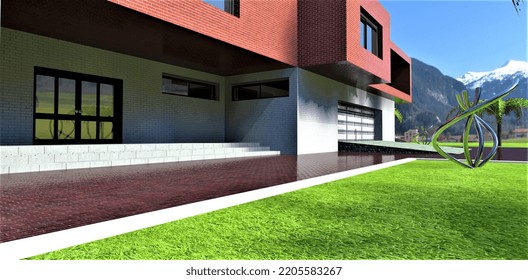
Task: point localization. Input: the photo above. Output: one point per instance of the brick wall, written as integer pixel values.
(322, 31)
(355, 53)
(266, 27)
(148, 115)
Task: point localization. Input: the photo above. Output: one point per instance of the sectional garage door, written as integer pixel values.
(355, 123)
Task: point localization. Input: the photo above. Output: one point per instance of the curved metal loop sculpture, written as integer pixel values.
(469, 110)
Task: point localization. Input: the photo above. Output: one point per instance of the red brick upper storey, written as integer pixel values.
(266, 27)
(322, 36)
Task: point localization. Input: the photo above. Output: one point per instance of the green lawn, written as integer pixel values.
(419, 210)
(506, 143)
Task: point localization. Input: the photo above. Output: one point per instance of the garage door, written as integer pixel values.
(355, 123)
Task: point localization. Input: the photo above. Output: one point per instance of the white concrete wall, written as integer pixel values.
(271, 121)
(17, 159)
(317, 111)
(148, 115)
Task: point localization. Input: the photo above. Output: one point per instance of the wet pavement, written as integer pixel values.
(36, 203)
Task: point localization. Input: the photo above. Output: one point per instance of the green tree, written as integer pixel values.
(398, 114)
(505, 107)
(498, 110)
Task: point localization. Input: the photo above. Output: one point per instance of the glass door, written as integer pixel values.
(76, 108)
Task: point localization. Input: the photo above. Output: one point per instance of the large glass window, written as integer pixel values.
(178, 86)
(229, 6)
(76, 108)
(261, 90)
(370, 34)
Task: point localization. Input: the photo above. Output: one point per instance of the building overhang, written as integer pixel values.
(387, 90)
(350, 74)
(347, 73)
(105, 25)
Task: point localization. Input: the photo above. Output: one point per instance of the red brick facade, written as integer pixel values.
(266, 27)
(356, 54)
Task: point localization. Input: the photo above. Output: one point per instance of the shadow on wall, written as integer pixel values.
(270, 122)
(250, 122)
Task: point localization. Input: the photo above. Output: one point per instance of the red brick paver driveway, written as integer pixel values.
(38, 203)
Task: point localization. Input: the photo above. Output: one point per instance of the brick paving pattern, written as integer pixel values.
(36, 203)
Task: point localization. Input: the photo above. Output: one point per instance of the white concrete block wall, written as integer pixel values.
(271, 122)
(148, 115)
(17, 159)
(317, 111)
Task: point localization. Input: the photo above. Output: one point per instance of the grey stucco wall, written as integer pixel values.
(271, 122)
(317, 106)
(148, 115)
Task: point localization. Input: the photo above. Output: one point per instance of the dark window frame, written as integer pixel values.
(376, 43)
(190, 82)
(116, 120)
(235, 89)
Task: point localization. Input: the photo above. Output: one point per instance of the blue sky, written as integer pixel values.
(459, 36)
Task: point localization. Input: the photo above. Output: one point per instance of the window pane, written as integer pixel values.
(369, 38)
(66, 129)
(89, 99)
(201, 91)
(45, 95)
(106, 130)
(106, 107)
(247, 92)
(178, 86)
(370, 35)
(263, 90)
(88, 130)
(362, 34)
(44, 129)
(175, 86)
(220, 4)
(66, 96)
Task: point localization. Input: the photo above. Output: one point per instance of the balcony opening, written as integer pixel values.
(400, 73)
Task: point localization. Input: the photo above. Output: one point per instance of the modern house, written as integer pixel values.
(295, 76)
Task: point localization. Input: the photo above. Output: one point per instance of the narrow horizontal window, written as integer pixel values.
(177, 86)
(261, 90)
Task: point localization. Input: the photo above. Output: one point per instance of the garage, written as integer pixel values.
(355, 123)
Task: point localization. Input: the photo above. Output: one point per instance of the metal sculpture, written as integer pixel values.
(469, 110)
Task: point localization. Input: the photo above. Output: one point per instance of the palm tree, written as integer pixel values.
(398, 114)
(499, 110)
(505, 107)
(517, 5)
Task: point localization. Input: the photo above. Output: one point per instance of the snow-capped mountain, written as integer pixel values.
(434, 94)
(496, 81)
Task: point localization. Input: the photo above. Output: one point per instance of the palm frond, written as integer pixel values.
(398, 115)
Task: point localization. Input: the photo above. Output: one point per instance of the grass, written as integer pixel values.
(419, 210)
(506, 143)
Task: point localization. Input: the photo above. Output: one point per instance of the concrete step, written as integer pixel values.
(18, 159)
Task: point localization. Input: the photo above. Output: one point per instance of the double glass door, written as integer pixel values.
(76, 108)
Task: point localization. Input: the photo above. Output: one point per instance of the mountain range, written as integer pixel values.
(434, 94)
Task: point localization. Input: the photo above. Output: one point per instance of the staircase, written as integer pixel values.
(18, 159)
